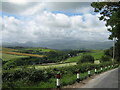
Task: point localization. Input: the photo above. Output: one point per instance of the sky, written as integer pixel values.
(50, 21)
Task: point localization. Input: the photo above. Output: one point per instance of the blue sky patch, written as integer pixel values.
(2, 14)
(9, 15)
(67, 13)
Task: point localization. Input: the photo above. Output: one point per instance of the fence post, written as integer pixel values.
(95, 71)
(112, 66)
(58, 80)
(78, 76)
(89, 73)
(101, 68)
(105, 67)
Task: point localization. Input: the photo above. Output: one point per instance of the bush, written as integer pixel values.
(27, 77)
(105, 59)
(9, 64)
(109, 52)
(86, 58)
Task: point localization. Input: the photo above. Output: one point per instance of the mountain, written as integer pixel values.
(65, 44)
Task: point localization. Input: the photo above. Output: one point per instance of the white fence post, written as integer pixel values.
(112, 66)
(58, 80)
(89, 73)
(78, 76)
(105, 67)
(95, 71)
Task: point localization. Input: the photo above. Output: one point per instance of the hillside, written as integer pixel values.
(15, 52)
(65, 44)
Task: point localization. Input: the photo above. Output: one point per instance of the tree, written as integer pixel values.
(109, 52)
(86, 58)
(105, 59)
(110, 13)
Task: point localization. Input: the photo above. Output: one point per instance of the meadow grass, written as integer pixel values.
(50, 83)
(7, 53)
(53, 66)
(97, 54)
(6, 57)
(74, 59)
(66, 79)
(39, 49)
(22, 54)
(6, 49)
(42, 67)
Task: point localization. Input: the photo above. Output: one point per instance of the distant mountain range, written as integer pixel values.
(65, 44)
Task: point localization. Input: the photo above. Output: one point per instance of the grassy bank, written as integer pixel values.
(35, 78)
(69, 79)
(97, 54)
(6, 57)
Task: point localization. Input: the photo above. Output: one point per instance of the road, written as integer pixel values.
(107, 79)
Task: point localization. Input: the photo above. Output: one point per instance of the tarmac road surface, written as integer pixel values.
(108, 79)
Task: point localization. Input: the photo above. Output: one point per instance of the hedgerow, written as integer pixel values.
(34, 76)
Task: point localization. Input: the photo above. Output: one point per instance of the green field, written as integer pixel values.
(0, 55)
(74, 59)
(7, 57)
(29, 74)
(36, 49)
(49, 66)
(97, 54)
(54, 65)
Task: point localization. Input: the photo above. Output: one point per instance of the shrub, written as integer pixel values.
(31, 76)
(9, 64)
(86, 58)
(105, 59)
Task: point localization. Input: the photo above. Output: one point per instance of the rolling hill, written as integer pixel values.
(66, 44)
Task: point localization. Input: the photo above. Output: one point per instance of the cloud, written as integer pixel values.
(31, 8)
(39, 24)
(69, 6)
(27, 9)
(49, 26)
(0, 31)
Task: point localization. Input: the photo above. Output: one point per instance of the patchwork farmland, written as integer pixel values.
(43, 64)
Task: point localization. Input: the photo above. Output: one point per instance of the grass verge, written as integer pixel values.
(70, 78)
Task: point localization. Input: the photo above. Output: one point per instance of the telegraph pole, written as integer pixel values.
(113, 49)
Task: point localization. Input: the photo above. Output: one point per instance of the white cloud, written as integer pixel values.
(43, 25)
(48, 26)
(18, 2)
(0, 31)
(38, 8)
(21, 9)
(31, 8)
